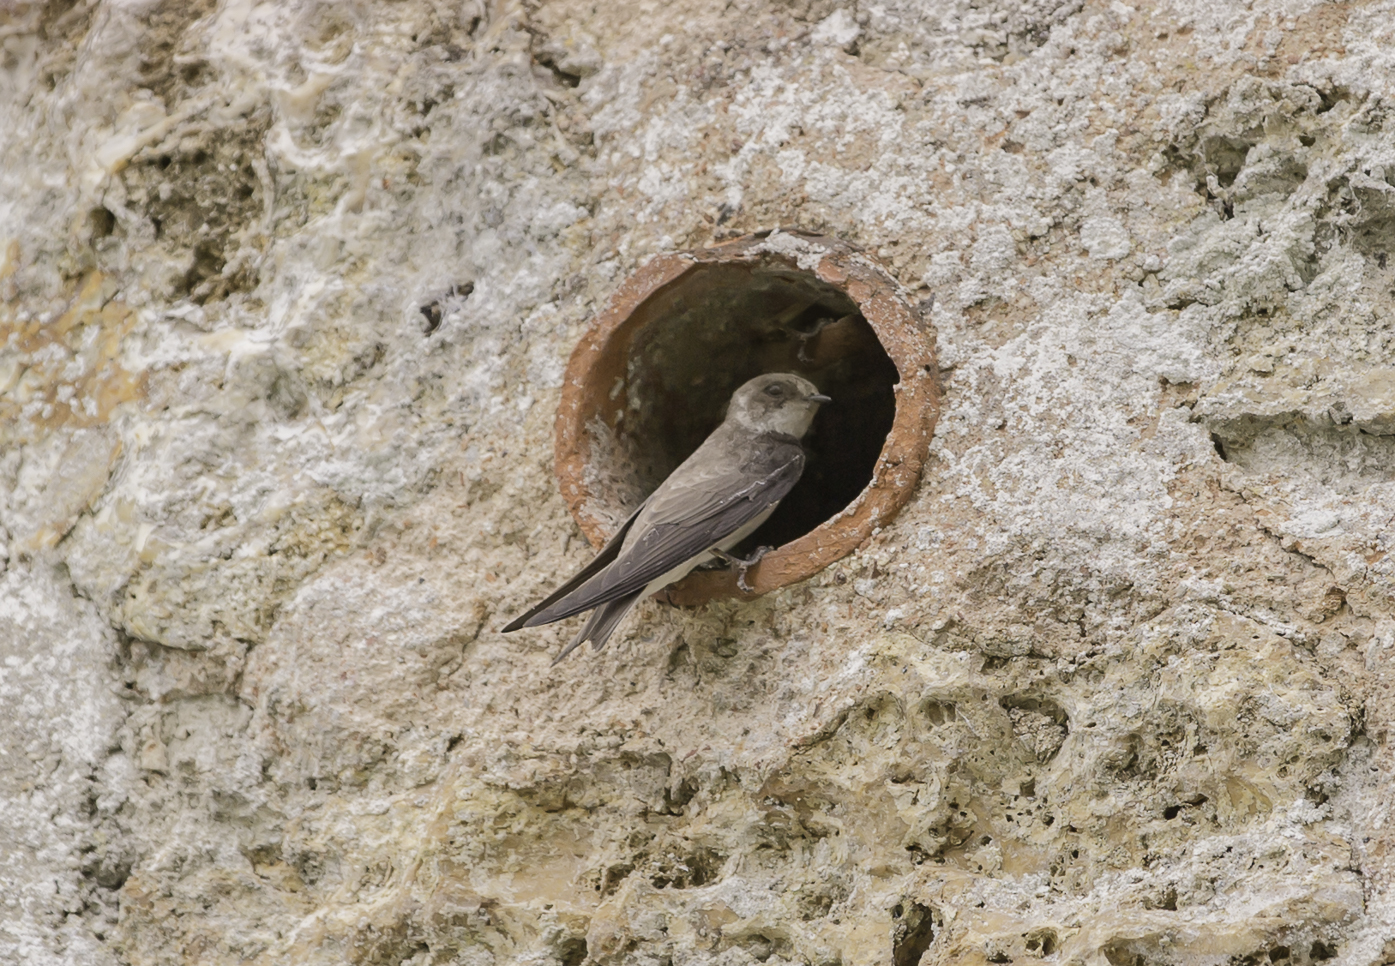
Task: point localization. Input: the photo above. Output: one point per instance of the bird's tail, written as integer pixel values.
(601, 624)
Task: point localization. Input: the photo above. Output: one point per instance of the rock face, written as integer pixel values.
(286, 291)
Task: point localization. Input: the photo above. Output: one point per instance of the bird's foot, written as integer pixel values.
(742, 565)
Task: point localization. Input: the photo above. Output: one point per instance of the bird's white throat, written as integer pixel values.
(793, 419)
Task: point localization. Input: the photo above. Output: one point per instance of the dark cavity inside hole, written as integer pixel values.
(102, 222)
(720, 325)
(911, 933)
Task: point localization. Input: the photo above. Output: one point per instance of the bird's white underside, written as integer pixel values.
(683, 569)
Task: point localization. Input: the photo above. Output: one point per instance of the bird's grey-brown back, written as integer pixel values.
(765, 420)
(716, 497)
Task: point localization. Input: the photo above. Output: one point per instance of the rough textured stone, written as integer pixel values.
(285, 295)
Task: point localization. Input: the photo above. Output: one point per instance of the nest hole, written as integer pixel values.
(724, 324)
(654, 375)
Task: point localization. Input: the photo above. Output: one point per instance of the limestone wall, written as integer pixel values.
(285, 296)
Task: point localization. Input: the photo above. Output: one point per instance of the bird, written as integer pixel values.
(714, 499)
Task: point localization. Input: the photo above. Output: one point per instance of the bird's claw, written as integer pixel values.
(742, 565)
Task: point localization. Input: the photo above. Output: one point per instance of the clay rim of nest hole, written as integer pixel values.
(601, 357)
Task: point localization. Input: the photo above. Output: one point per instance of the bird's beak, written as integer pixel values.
(817, 398)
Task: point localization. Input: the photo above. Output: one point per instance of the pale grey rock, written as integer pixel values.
(61, 774)
(286, 292)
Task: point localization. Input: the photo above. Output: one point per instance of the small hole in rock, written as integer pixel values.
(432, 313)
(572, 951)
(911, 934)
(102, 222)
(1119, 954)
(1042, 942)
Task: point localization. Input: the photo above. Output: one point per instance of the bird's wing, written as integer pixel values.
(603, 559)
(702, 503)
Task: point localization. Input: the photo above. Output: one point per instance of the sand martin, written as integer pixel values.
(714, 500)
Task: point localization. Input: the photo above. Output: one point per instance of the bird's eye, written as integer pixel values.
(774, 391)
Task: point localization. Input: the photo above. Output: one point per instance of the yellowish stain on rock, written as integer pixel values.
(63, 371)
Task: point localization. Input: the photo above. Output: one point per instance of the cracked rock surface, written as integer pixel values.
(286, 292)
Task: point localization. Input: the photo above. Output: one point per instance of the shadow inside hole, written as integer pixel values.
(705, 334)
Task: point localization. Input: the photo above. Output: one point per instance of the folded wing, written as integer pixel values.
(603, 559)
(697, 507)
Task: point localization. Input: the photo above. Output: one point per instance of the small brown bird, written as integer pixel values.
(714, 500)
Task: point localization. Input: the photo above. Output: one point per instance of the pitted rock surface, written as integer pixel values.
(286, 292)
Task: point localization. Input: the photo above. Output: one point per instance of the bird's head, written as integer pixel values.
(777, 402)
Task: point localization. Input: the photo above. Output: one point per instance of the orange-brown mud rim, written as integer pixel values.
(600, 359)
